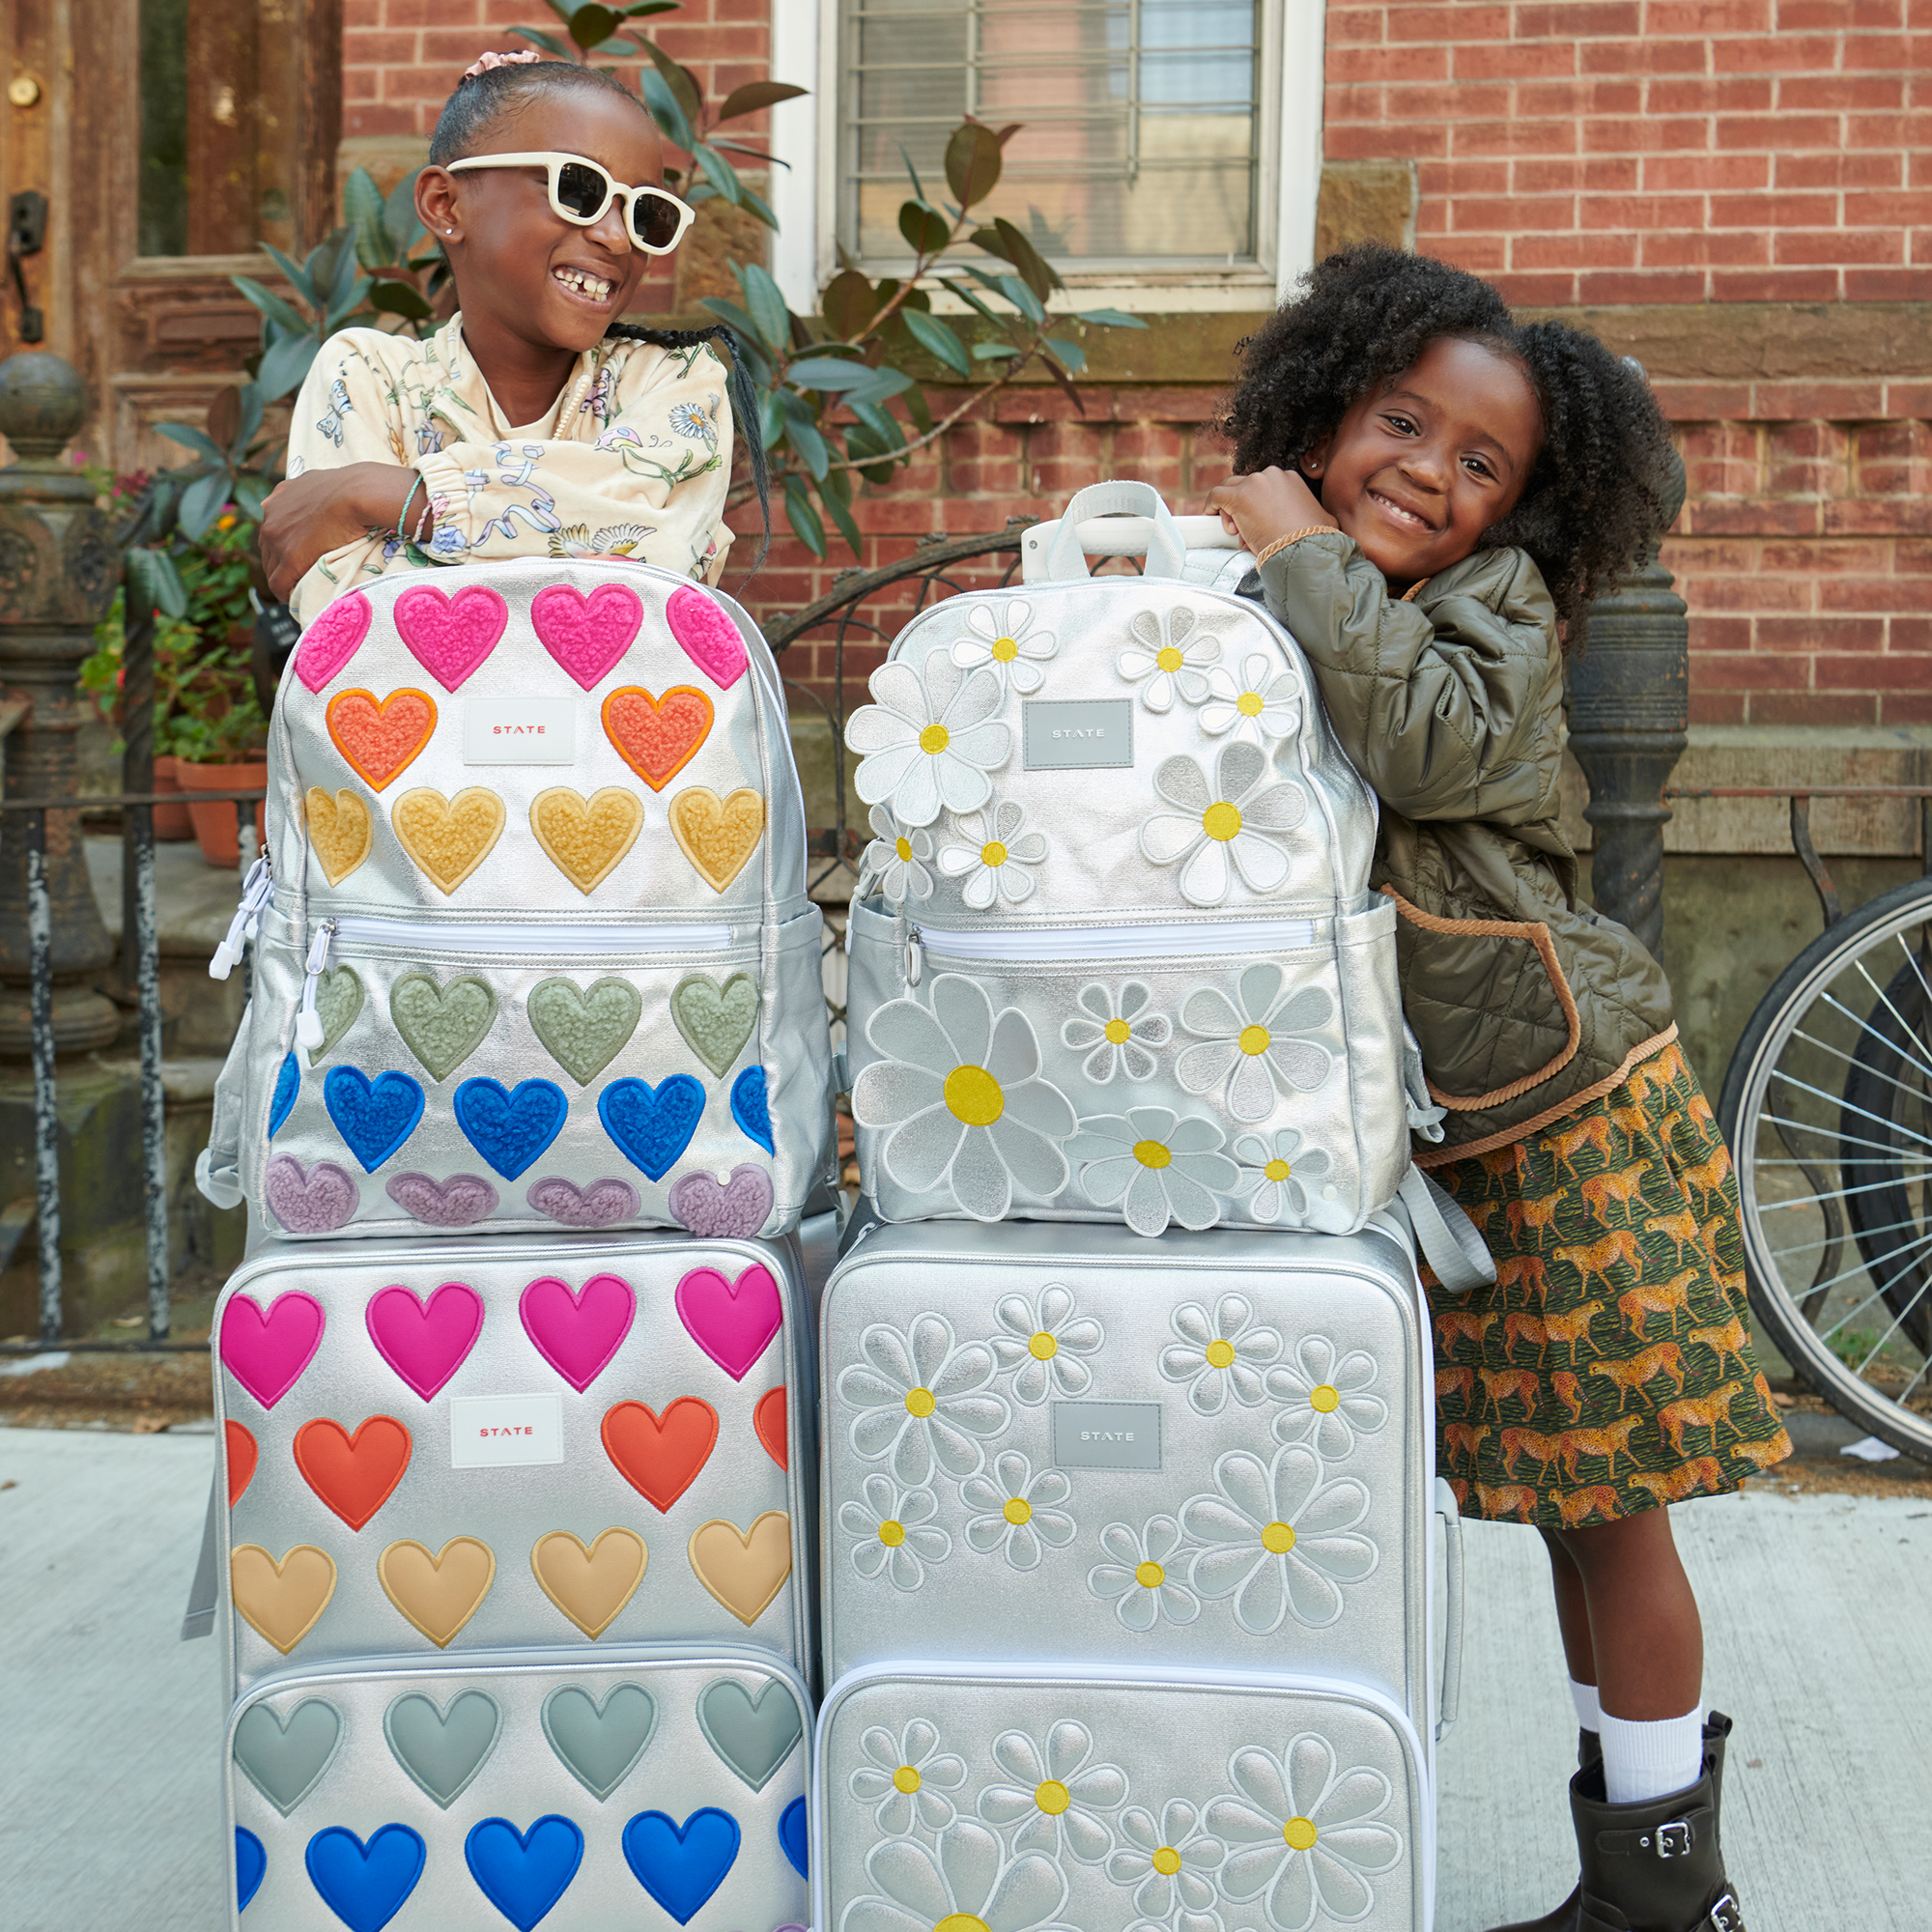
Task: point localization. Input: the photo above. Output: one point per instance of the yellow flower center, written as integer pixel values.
(992, 853)
(1249, 704)
(1278, 1539)
(1166, 1861)
(1117, 1032)
(1277, 1170)
(1151, 1153)
(973, 1096)
(960, 1921)
(934, 739)
(1149, 1575)
(1042, 1347)
(1300, 1833)
(1255, 1039)
(1053, 1798)
(903, 847)
(892, 1532)
(1324, 1397)
(1006, 650)
(1168, 658)
(1221, 821)
(906, 1779)
(1220, 1355)
(1016, 1510)
(920, 1403)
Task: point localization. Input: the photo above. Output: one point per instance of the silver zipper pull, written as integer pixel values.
(308, 1022)
(915, 957)
(256, 891)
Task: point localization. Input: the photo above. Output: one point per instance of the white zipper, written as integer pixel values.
(503, 937)
(257, 889)
(308, 1022)
(1196, 940)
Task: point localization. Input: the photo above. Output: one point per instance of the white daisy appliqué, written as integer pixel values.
(1224, 828)
(995, 859)
(1279, 1170)
(929, 742)
(1258, 1044)
(1168, 654)
(895, 860)
(1118, 1034)
(1157, 1166)
(1005, 639)
(1264, 703)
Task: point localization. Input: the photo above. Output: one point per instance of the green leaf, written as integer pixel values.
(829, 374)
(151, 574)
(848, 304)
(549, 43)
(759, 206)
(1064, 381)
(251, 491)
(205, 446)
(769, 314)
(885, 383)
(389, 297)
(1110, 318)
(1070, 353)
(362, 203)
(804, 437)
(938, 338)
(1035, 269)
(400, 220)
(274, 306)
(918, 410)
(561, 11)
(733, 316)
(664, 109)
(719, 173)
(972, 163)
(993, 352)
(285, 364)
(202, 503)
(837, 493)
(340, 312)
(771, 417)
(926, 231)
(681, 81)
(971, 300)
(804, 519)
(642, 8)
(1022, 297)
(879, 423)
(298, 276)
(248, 422)
(918, 187)
(757, 94)
(861, 444)
(589, 25)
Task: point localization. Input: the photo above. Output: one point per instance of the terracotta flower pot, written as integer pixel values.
(214, 824)
(171, 821)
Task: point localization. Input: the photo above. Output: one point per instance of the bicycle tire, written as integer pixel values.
(1804, 1017)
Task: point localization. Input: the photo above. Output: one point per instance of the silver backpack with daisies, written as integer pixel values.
(1115, 952)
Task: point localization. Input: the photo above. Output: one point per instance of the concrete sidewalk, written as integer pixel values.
(1814, 1607)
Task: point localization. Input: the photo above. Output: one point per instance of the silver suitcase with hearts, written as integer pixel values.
(435, 1448)
(532, 946)
(1213, 1453)
(1115, 954)
(651, 1785)
(1020, 1796)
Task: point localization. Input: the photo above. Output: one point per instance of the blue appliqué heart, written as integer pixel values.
(510, 1129)
(791, 1836)
(373, 1117)
(652, 1126)
(287, 1082)
(365, 1886)
(522, 1874)
(251, 1866)
(681, 1867)
(751, 1107)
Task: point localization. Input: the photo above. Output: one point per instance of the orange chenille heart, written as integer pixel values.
(381, 737)
(656, 736)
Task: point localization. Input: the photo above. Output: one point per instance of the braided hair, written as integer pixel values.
(1600, 494)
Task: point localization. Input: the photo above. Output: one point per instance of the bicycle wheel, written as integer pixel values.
(1827, 1106)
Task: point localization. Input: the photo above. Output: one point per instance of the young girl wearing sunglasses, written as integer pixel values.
(533, 422)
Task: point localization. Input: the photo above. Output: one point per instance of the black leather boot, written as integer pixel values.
(1589, 1752)
(1658, 1866)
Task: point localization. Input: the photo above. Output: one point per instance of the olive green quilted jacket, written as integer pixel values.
(1527, 1003)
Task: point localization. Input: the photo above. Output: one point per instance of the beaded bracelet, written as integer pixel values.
(401, 515)
(1293, 537)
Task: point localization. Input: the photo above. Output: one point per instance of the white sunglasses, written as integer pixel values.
(579, 191)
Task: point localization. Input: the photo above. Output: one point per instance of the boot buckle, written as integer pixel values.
(1725, 1916)
(1673, 1841)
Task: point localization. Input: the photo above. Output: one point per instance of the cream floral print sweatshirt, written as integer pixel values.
(634, 460)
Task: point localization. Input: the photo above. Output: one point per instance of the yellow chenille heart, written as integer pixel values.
(716, 835)
(586, 837)
(340, 832)
(448, 839)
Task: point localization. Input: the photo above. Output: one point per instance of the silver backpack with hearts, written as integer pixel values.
(533, 949)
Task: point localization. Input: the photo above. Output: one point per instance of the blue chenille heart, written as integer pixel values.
(791, 1835)
(522, 1874)
(510, 1129)
(652, 1126)
(288, 1083)
(373, 1117)
(751, 1107)
(251, 1866)
(365, 1886)
(681, 1867)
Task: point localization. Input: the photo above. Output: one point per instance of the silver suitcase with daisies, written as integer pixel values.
(1115, 955)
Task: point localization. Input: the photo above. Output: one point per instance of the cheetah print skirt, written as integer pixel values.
(1610, 1370)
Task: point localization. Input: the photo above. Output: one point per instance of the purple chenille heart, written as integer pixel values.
(315, 1203)
(600, 1205)
(740, 1206)
(455, 1203)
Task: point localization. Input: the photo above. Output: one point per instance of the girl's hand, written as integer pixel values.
(311, 515)
(1263, 506)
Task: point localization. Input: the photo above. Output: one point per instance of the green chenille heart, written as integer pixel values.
(442, 1026)
(584, 1028)
(716, 1021)
(338, 1000)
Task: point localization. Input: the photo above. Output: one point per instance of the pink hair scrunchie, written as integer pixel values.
(486, 63)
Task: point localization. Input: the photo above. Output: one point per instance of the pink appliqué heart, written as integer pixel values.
(315, 1202)
(732, 1321)
(578, 1334)
(586, 635)
(267, 1352)
(707, 637)
(334, 636)
(455, 1203)
(449, 636)
(739, 1207)
(602, 1205)
(425, 1344)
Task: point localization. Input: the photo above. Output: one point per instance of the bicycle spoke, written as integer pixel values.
(1831, 1133)
(1830, 1194)
(1889, 1228)
(1792, 1080)
(1826, 1334)
(1852, 1060)
(1904, 1025)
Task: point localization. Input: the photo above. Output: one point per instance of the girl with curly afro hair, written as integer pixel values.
(1433, 493)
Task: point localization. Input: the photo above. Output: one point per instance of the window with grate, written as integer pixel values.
(1141, 138)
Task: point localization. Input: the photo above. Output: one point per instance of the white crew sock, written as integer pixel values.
(1589, 1713)
(1653, 1760)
